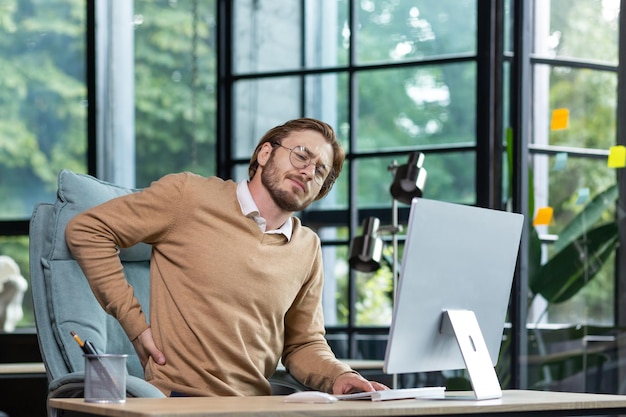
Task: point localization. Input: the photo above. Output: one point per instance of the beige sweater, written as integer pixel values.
(226, 299)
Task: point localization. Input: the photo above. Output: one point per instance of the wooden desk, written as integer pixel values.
(513, 402)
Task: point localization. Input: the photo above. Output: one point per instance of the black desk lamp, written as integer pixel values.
(366, 250)
(409, 179)
(408, 183)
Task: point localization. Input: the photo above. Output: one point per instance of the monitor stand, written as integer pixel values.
(464, 326)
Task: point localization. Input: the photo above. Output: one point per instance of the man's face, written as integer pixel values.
(293, 188)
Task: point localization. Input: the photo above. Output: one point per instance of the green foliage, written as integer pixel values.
(578, 254)
(373, 306)
(42, 96)
(583, 248)
(567, 272)
(175, 67)
(374, 290)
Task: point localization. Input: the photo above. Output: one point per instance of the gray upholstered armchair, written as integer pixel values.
(64, 302)
(62, 298)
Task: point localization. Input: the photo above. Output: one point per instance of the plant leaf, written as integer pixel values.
(588, 216)
(534, 255)
(570, 269)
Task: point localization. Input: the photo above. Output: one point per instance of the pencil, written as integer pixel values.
(87, 346)
(89, 349)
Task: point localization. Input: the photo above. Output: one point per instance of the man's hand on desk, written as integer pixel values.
(352, 382)
(145, 347)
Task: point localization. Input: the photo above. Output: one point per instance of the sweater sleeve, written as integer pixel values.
(307, 355)
(95, 236)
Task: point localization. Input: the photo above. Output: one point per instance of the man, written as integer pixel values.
(236, 280)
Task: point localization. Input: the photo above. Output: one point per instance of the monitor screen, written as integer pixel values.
(456, 258)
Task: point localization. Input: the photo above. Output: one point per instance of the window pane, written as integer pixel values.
(586, 29)
(373, 180)
(335, 275)
(43, 95)
(508, 26)
(337, 198)
(573, 184)
(589, 96)
(416, 106)
(451, 177)
(335, 302)
(326, 33)
(374, 295)
(269, 35)
(175, 93)
(410, 29)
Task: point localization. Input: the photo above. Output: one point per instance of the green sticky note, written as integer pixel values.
(560, 161)
(583, 196)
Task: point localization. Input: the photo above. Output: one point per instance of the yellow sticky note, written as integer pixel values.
(560, 119)
(543, 217)
(617, 157)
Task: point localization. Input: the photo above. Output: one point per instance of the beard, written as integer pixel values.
(271, 179)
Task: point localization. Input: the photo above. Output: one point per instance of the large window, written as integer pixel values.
(175, 92)
(130, 91)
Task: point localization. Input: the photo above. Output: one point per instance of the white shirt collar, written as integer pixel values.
(250, 209)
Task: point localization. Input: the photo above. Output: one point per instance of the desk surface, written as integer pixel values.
(512, 401)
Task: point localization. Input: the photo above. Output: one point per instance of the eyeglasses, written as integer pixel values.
(300, 158)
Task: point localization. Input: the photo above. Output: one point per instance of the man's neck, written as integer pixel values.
(273, 215)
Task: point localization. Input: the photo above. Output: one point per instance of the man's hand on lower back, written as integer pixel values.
(145, 347)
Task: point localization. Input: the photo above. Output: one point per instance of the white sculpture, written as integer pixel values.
(12, 288)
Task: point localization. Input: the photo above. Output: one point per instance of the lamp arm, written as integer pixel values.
(390, 229)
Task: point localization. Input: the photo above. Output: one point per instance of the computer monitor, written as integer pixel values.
(453, 292)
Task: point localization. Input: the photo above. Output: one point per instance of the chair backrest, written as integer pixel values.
(62, 298)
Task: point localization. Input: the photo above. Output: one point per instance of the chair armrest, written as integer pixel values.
(137, 387)
(73, 386)
(284, 383)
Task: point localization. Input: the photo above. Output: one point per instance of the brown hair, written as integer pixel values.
(278, 133)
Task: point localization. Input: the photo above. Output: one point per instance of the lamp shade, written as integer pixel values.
(366, 250)
(409, 179)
